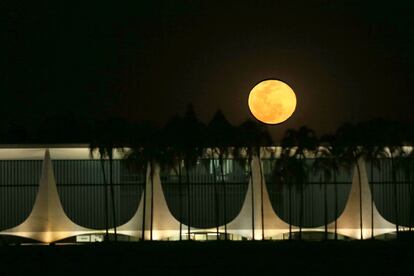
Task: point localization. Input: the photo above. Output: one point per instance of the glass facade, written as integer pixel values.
(206, 195)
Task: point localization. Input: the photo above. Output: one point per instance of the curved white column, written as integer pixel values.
(47, 221)
(274, 227)
(164, 225)
(348, 223)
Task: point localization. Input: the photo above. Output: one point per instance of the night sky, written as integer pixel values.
(346, 60)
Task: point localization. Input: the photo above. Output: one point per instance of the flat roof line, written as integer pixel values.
(35, 146)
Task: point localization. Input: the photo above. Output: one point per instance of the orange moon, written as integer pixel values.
(272, 101)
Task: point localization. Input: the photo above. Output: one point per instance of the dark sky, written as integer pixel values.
(346, 60)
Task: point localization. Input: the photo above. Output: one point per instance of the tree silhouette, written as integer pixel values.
(109, 137)
(374, 149)
(393, 137)
(185, 139)
(406, 165)
(350, 142)
(323, 165)
(297, 144)
(331, 150)
(146, 150)
(286, 172)
(251, 136)
(220, 138)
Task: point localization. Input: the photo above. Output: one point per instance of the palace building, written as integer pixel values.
(52, 193)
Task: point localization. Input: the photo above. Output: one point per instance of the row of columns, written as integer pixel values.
(48, 221)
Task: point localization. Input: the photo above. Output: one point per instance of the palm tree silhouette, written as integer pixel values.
(209, 153)
(332, 151)
(286, 172)
(324, 166)
(93, 147)
(185, 138)
(350, 141)
(109, 135)
(146, 151)
(220, 136)
(297, 144)
(406, 164)
(373, 154)
(191, 149)
(394, 142)
(376, 142)
(251, 136)
(243, 153)
(173, 157)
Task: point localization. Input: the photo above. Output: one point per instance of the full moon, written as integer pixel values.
(272, 101)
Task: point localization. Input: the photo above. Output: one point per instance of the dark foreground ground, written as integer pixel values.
(212, 258)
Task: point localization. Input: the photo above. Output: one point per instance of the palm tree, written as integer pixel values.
(173, 161)
(350, 141)
(399, 136)
(388, 137)
(172, 132)
(209, 153)
(406, 164)
(251, 136)
(145, 151)
(324, 165)
(108, 137)
(394, 152)
(394, 139)
(286, 172)
(382, 139)
(220, 136)
(244, 155)
(298, 143)
(373, 154)
(333, 151)
(185, 138)
(102, 154)
(191, 149)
